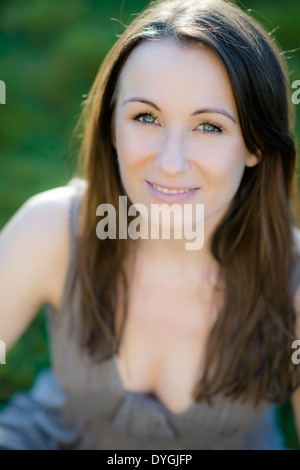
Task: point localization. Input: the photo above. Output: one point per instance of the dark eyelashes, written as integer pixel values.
(135, 118)
(218, 128)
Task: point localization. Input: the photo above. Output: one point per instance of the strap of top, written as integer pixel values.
(296, 276)
(79, 186)
(295, 271)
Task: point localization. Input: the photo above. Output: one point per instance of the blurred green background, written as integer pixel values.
(50, 53)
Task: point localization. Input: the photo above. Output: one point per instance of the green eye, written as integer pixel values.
(145, 118)
(209, 127)
(148, 118)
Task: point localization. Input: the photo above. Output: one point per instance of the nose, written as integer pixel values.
(171, 159)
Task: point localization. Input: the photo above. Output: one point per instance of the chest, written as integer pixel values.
(163, 343)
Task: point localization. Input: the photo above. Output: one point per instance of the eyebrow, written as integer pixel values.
(199, 111)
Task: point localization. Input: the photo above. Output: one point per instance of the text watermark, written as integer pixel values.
(180, 221)
(2, 92)
(2, 352)
(296, 93)
(296, 355)
(161, 459)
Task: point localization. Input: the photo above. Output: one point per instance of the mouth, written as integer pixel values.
(165, 190)
(171, 191)
(168, 193)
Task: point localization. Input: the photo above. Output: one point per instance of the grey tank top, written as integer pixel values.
(107, 416)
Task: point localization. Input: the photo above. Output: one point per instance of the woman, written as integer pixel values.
(156, 346)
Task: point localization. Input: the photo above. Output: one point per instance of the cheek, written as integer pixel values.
(131, 147)
(231, 157)
(225, 165)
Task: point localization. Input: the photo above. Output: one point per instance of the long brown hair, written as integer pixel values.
(248, 352)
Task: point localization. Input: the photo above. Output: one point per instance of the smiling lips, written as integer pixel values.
(172, 191)
(171, 194)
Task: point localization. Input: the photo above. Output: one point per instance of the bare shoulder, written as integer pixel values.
(44, 214)
(44, 222)
(56, 201)
(34, 257)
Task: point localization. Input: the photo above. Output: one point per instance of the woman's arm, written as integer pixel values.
(34, 250)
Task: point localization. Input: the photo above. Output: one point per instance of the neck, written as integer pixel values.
(172, 255)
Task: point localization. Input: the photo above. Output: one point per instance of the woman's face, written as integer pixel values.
(176, 129)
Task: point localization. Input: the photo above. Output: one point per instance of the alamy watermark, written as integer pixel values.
(296, 93)
(2, 92)
(2, 352)
(296, 355)
(180, 221)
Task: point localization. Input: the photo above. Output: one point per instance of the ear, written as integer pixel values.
(252, 160)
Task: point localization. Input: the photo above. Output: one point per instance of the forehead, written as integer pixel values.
(166, 69)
